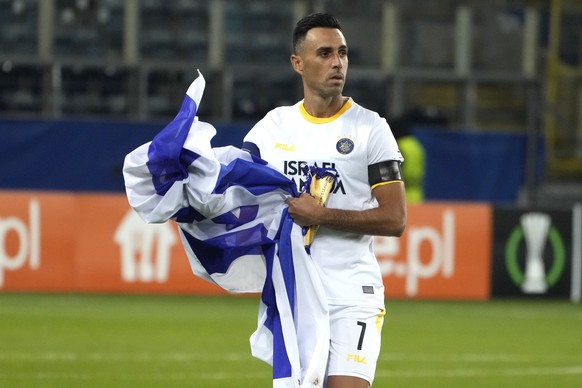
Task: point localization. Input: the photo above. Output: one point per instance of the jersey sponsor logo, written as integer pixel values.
(344, 146)
(285, 147)
(357, 358)
(296, 170)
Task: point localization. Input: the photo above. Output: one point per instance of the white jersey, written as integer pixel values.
(349, 141)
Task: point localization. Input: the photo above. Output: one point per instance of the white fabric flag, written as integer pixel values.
(231, 212)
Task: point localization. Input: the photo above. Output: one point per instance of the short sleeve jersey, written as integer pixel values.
(350, 141)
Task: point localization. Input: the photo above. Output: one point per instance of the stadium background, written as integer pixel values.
(492, 89)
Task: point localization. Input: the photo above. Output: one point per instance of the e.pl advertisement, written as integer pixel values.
(75, 242)
(444, 253)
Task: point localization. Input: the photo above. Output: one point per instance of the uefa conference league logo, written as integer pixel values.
(536, 230)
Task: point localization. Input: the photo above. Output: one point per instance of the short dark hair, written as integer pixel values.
(308, 22)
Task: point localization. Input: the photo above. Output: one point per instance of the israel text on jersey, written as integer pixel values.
(296, 170)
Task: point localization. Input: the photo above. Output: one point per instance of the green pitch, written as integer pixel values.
(178, 341)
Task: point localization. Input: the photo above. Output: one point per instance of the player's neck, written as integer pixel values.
(323, 107)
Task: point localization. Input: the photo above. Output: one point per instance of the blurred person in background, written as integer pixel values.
(414, 155)
(328, 129)
(413, 151)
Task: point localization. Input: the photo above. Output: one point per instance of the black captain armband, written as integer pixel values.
(387, 171)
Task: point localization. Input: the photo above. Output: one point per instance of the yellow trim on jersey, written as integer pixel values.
(324, 120)
(384, 183)
(380, 320)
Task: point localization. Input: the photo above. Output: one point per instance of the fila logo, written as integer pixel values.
(357, 358)
(285, 147)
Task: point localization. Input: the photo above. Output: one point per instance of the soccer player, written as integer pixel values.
(368, 198)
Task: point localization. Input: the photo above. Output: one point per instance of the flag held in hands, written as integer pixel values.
(231, 214)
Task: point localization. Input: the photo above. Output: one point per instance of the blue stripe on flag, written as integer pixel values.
(281, 364)
(167, 161)
(188, 215)
(254, 177)
(217, 254)
(285, 254)
(231, 221)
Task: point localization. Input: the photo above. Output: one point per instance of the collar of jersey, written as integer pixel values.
(323, 120)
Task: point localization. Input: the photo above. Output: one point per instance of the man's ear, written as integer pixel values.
(297, 63)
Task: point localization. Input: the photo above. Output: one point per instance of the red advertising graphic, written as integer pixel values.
(89, 243)
(33, 227)
(445, 253)
(96, 243)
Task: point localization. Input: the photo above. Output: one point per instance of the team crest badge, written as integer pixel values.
(344, 146)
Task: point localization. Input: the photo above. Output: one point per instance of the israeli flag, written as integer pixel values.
(230, 209)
